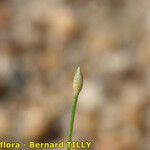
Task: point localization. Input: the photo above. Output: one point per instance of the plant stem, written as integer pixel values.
(72, 117)
(77, 87)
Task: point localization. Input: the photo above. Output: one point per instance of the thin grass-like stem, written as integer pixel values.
(77, 86)
(72, 117)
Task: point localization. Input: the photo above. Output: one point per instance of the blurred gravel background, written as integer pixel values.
(41, 44)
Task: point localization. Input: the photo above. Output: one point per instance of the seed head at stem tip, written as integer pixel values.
(78, 81)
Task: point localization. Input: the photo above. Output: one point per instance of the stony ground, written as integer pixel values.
(41, 44)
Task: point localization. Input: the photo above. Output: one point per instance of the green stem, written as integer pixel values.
(72, 117)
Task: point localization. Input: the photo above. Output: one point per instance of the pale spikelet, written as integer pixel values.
(77, 81)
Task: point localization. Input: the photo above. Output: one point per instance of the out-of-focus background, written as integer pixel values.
(42, 42)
